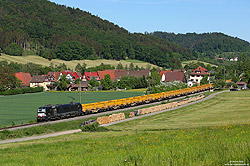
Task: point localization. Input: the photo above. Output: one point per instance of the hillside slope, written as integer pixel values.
(206, 42)
(71, 64)
(57, 31)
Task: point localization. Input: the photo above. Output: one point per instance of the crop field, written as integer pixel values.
(71, 64)
(22, 108)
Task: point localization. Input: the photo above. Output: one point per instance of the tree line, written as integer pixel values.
(57, 31)
(206, 44)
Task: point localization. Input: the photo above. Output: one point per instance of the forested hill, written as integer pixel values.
(206, 42)
(57, 31)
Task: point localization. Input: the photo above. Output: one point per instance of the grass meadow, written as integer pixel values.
(189, 147)
(19, 109)
(214, 132)
(71, 64)
(195, 61)
(223, 109)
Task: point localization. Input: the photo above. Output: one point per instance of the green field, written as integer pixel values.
(213, 132)
(184, 63)
(22, 108)
(71, 64)
(190, 147)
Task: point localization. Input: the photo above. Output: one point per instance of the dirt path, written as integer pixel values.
(76, 131)
(40, 136)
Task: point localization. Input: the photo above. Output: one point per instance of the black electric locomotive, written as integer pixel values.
(60, 111)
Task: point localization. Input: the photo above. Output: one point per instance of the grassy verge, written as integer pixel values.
(203, 146)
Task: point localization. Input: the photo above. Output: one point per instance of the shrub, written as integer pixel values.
(93, 128)
(14, 49)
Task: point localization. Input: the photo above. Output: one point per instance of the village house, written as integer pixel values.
(40, 81)
(164, 74)
(70, 75)
(89, 75)
(25, 78)
(168, 76)
(175, 75)
(197, 74)
(54, 76)
(106, 72)
(242, 84)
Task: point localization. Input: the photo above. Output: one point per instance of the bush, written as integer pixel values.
(93, 128)
(14, 49)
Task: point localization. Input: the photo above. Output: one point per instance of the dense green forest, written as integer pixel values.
(57, 31)
(207, 44)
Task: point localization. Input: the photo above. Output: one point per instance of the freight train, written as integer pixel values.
(61, 111)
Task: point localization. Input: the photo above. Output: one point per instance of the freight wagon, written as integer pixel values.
(77, 109)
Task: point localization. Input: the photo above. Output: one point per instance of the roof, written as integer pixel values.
(175, 76)
(105, 72)
(90, 75)
(56, 75)
(179, 70)
(165, 72)
(24, 77)
(38, 79)
(84, 84)
(240, 83)
(73, 74)
(200, 71)
(137, 73)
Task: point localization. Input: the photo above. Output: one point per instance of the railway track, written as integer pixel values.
(12, 128)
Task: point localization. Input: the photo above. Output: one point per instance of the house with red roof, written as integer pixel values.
(70, 75)
(164, 74)
(242, 84)
(89, 75)
(197, 74)
(53, 76)
(25, 78)
(106, 72)
(175, 76)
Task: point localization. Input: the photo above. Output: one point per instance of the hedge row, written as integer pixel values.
(22, 91)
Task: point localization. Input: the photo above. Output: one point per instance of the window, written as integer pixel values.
(196, 80)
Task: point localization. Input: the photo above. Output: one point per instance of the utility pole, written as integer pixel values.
(80, 89)
(224, 75)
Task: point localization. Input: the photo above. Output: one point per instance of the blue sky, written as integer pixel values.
(231, 17)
